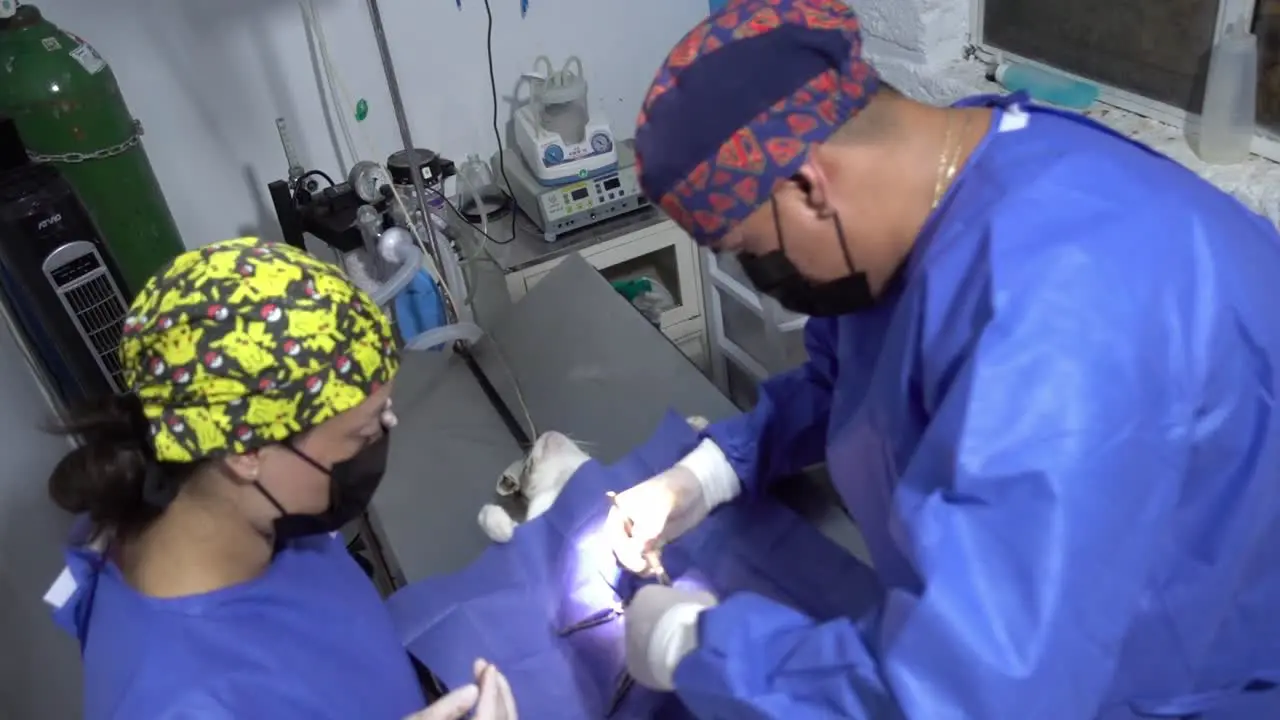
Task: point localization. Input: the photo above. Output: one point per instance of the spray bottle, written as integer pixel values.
(1230, 98)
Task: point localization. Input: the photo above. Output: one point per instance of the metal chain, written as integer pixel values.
(79, 157)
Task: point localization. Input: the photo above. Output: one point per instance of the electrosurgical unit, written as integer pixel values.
(558, 209)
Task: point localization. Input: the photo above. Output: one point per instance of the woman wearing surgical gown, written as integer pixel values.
(210, 580)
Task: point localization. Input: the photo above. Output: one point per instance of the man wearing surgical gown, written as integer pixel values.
(1042, 374)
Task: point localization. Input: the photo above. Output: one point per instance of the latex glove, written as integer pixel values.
(489, 697)
(662, 629)
(666, 506)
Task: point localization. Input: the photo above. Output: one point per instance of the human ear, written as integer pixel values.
(814, 182)
(244, 467)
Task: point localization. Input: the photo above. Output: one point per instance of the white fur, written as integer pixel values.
(496, 523)
(540, 477)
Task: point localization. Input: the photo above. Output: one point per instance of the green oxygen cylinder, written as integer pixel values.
(68, 109)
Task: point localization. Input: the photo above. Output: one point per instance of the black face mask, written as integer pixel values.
(773, 274)
(352, 483)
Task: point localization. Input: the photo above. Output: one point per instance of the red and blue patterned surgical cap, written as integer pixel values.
(735, 107)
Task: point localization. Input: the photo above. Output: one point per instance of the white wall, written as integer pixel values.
(40, 664)
(912, 42)
(208, 78)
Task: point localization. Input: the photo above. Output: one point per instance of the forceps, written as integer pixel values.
(595, 619)
(654, 569)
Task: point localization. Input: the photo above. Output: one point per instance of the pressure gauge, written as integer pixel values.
(367, 178)
(601, 143)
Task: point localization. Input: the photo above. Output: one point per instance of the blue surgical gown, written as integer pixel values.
(310, 639)
(1059, 436)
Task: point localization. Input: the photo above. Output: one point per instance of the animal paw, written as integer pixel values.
(496, 523)
(697, 422)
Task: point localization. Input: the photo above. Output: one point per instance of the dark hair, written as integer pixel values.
(876, 121)
(106, 477)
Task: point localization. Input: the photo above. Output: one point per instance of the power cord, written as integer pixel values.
(458, 213)
(316, 173)
(516, 218)
(497, 133)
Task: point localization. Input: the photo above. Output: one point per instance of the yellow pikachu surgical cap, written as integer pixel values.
(244, 343)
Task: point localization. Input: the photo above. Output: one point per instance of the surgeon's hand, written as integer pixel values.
(664, 507)
(662, 629)
(490, 698)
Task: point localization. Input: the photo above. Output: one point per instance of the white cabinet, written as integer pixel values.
(661, 252)
(690, 337)
(750, 336)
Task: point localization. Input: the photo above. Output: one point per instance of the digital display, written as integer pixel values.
(579, 194)
(612, 184)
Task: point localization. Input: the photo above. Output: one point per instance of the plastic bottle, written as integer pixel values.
(1230, 98)
(1045, 86)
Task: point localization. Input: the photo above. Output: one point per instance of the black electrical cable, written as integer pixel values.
(448, 203)
(314, 173)
(497, 133)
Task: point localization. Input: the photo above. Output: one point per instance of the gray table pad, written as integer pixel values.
(588, 365)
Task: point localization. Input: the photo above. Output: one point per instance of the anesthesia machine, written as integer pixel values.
(390, 242)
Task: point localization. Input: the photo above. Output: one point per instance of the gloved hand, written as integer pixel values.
(666, 506)
(662, 628)
(490, 697)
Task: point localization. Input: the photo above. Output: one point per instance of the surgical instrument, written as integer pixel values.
(653, 566)
(623, 686)
(595, 619)
(617, 593)
(652, 557)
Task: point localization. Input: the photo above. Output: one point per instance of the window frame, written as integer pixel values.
(1266, 143)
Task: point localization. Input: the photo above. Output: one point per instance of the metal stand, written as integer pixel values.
(435, 245)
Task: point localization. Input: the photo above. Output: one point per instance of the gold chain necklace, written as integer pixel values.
(948, 161)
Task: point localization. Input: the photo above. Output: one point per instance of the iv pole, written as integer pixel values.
(415, 170)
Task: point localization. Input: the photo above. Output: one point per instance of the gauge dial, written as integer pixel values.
(367, 178)
(601, 143)
(552, 155)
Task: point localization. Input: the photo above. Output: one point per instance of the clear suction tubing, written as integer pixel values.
(465, 332)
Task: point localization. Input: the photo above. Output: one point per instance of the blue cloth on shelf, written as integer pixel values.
(419, 307)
